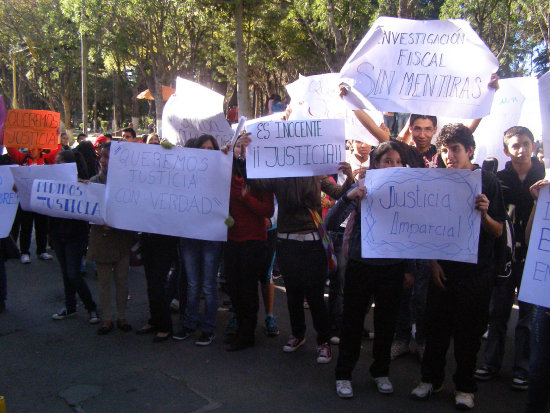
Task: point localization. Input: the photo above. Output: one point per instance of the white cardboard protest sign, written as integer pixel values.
(535, 283)
(295, 148)
(181, 191)
(420, 66)
(318, 97)
(544, 101)
(192, 111)
(516, 103)
(73, 200)
(8, 201)
(422, 213)
(23, 177)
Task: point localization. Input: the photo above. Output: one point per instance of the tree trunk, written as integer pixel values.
(159, 103)
(115, 99)
(67, 114)
(84, 73)
(135, 107)
(406, 8)
(242, 70)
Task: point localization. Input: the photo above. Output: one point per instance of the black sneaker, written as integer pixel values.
(205, 339)
(183, 334)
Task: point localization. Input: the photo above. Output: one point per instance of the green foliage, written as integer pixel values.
(140, 44)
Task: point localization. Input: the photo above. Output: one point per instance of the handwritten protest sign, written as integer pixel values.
(295, 148)
(194, 110)
(318, 97)
(544, 98)
(31, 129)
(8, 201)
(421, 213)
(73, 200)
(516, 102)
(535, 283)
(181, 192)
(419, 66)
(23, 177)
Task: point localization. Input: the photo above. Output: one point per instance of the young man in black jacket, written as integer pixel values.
(516, 178)
(459, 295)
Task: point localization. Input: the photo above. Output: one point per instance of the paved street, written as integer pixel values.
(64, 366)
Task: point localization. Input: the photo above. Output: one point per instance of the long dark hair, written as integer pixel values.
(205, 138)
(76, 157)
(383, 149)
(86, 149)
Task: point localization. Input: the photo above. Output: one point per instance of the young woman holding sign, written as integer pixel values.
(201, 260)
(110, 249)
(69, 238)
(246, 251)
(301, 255)
(381, 278)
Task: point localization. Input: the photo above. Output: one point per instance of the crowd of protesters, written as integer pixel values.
(419, 304)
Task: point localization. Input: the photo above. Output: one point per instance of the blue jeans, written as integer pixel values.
(539, 366)
(69, 254)
(201, 260)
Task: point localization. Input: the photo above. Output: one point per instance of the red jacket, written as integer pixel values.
(21, 158)
(249, 212)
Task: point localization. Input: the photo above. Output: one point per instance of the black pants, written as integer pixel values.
(69, 253)
(363, 281)
(304, 268)
(158, 253)
(245, 267)
(27, 219)
(461, 311)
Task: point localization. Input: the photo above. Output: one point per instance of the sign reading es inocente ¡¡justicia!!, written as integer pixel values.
(295, 148)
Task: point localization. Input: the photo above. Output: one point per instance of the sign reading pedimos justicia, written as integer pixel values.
(435, 67)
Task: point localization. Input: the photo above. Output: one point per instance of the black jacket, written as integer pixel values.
(518, 200)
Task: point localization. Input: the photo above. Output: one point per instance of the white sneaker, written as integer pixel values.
(383, 384)
(324, 354)
(25, 259)
(335, 340)
(175, 304)
(464, 401)
(45, 256)
(344, 390)
(424, 390)
(292, 344)
(399, 348)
